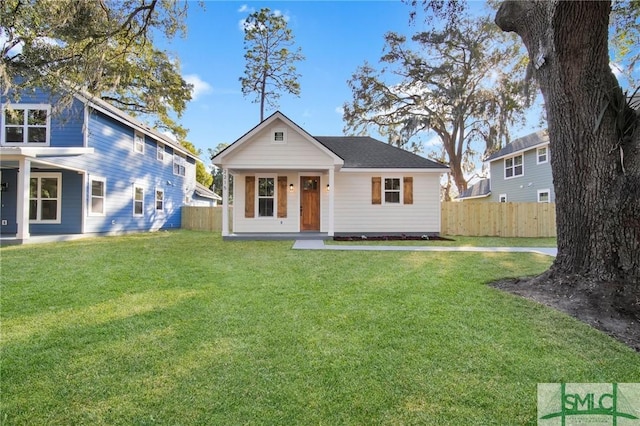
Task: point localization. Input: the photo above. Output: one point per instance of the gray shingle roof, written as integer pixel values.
(521, 144)
(479, 189)
(367, 152)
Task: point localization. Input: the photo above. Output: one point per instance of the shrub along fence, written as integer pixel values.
(457, 218)
(498, 219)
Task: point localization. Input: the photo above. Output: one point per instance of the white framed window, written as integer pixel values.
(26, 124)
(266, 196)
(502, 198)
(542, 155)
(160, 152)
(138, 142)
(392, 190)
(544, 196)
(159, 200)
(45, 197)
(97, 196)
(513, 167)
(138, 201)
(279, 135)
(179, 165)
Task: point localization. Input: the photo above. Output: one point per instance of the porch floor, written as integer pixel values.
(285, 236)
(9, 240)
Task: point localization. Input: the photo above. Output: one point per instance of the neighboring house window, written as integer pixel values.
(392, 190)
(266, 196)
(159, 200)
(45, 197)
(160, 152)
(138, 142)
(138, 201)
(98, 187)
(513, 167)
(179, 163)
(279, 136)
(543, 155)
(502, 198)
(544, 196)
(26, 124)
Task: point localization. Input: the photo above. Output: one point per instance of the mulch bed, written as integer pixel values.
(392, 238)
(595, 304)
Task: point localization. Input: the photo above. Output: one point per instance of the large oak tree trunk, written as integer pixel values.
(595, 158)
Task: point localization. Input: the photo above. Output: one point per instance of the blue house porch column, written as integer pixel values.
(22, 198)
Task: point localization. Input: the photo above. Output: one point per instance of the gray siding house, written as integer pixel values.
(520, 172)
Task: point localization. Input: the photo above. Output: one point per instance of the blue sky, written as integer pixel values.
(335, 37)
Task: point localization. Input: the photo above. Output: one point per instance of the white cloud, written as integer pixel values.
(245, 8)
(339, 110)
(200, 87)
(170, 136)
(616, 69)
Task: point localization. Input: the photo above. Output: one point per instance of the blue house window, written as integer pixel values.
(513, 167)
(138, 201)
(138, 142)
(160, 152)
(542, 155)
(45, 197)
(98, 196)
(159, 200)
(179, 165)
(26, 124)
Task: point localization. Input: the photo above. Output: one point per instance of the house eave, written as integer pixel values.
(394, 170)
(218, 159)
(474, 197)
(34, 152)
(111, 111)
(518, 152)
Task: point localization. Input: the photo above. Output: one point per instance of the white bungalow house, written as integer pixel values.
(287, 182)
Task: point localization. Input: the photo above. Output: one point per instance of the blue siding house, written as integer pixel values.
(520, 172)
(88, 169)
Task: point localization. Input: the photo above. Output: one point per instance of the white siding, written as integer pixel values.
(261, 151)
(266, 224)
(355, 213)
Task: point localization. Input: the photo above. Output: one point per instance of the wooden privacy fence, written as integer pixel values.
(457, 218)
(204, 218)
(498, 219)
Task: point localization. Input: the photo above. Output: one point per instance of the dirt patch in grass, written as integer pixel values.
(601, 306)
(391, 238)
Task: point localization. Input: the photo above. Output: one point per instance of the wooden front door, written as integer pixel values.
(310, 203)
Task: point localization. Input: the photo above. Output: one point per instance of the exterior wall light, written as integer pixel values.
(290, 187)
(328, 188)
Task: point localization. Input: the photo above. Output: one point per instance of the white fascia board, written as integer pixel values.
(382, 170)
(521, 151)
(44, 151)
(218, 159)
(118, 115)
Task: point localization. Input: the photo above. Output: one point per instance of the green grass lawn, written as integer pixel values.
(182, 328)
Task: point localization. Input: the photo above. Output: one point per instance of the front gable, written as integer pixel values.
(276, 143)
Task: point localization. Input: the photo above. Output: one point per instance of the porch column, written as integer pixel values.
(22, 198)
(225, 202)
(332, 191)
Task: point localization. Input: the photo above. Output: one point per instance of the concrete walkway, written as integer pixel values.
(320, 245)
